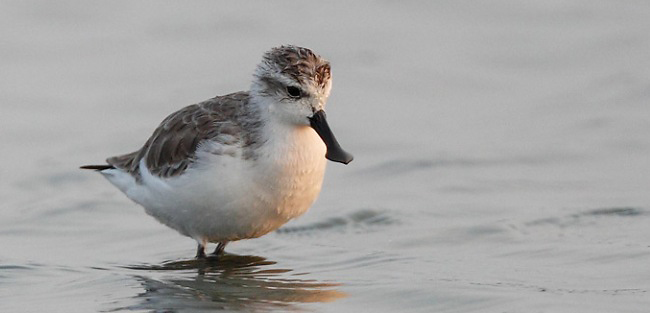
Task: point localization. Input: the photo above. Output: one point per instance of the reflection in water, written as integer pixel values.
(232, 283)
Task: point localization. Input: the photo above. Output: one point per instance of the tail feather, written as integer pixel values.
(97, 167)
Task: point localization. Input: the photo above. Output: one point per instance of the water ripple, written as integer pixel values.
(577, 217)
(407, 165)
(359, 221)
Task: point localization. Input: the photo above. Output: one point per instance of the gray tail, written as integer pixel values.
(97, 167)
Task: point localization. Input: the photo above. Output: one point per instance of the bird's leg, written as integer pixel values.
(200, 252)
(220, 247)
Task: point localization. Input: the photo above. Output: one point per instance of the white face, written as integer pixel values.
(294, 83)
(292, 101)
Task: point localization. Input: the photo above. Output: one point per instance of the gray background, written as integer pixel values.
(501, 156)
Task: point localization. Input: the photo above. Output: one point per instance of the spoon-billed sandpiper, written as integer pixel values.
(241, 165)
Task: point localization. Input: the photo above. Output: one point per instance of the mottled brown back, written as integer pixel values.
(172, 147)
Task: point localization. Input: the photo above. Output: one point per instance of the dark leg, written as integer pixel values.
(220, 247)
(200, 252)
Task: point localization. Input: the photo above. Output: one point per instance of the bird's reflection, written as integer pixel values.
(232, 283)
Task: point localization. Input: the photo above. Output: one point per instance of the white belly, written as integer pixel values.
(225, 198)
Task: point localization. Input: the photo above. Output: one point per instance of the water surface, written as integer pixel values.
(501, 157)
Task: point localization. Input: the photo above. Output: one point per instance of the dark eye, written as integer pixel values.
(294, 92)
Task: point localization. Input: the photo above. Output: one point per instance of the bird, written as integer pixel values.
(240, 165)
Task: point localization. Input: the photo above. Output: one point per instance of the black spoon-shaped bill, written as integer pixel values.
(334, 151)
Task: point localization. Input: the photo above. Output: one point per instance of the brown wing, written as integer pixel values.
(172, 147)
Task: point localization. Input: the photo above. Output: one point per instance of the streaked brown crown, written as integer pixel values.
(297, 62)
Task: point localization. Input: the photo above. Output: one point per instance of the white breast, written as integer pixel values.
(225, 198)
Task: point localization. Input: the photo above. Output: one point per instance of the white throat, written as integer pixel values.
(292, 165)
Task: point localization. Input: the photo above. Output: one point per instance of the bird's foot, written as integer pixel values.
(220, 249)
(200, 252)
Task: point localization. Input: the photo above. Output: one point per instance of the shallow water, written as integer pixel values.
(501, 157)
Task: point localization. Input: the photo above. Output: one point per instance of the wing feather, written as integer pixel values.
(172, 147)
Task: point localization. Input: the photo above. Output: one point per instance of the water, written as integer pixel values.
(501, 157)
